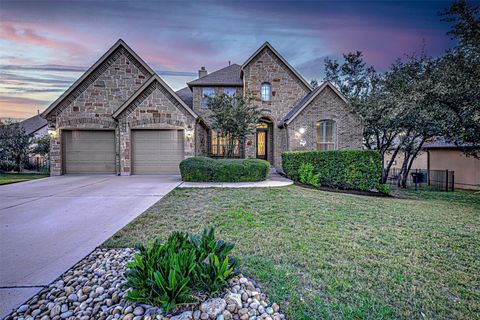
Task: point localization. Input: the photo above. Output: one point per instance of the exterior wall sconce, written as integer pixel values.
(52, 132)
(301, 130)
(189, 132)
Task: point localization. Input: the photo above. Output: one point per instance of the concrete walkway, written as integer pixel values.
(275, 180)
(48, 225)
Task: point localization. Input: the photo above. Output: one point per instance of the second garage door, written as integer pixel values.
(157, 151)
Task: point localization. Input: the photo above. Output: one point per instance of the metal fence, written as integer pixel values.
(423, 179)
(39, 164)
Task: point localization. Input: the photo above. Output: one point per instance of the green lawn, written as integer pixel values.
(327, 255)
(7, 178)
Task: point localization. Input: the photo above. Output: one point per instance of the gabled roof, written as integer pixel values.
(144, 86)
(119, 43)
(186, 95)
(295, 111)
(33, 124)
(228, 76)
(269, 46)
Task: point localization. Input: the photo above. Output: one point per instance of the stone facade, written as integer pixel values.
(154, 108)
(286, 90)
(327, 105)
(98, 102)
(92, 103)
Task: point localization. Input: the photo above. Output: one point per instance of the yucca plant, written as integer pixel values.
(165, 274)
(214, 266)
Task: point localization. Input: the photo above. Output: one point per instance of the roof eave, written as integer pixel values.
(268, 45)
(90, 70)
(307, 102)
(143, 87)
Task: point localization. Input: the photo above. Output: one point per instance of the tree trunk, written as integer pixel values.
(389, 165)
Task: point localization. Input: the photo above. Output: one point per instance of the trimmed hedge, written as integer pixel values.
(203, 169)
(340, 169)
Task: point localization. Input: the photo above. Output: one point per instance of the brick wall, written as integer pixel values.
(327, 105)
(155, 108)
(286, 89)
(90, 105)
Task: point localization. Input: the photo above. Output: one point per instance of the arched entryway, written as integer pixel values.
(264, 140)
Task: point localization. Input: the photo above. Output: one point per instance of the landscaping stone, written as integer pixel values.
(93, 289)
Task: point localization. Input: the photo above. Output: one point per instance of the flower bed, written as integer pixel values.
(203, 169)
(96, 289)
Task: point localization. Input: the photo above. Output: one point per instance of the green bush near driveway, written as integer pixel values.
(342, 169)
(203, 169)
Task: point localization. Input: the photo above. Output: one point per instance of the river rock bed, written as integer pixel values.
(93, 289)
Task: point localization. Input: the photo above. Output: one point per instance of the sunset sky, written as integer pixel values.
(46, 45)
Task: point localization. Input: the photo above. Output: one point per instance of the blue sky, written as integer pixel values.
(46, 45)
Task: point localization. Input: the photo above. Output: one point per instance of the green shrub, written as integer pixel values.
(306, 175)
(218, 267)
(342, 169)
(383, 188)
(165, 274)
(203, 169)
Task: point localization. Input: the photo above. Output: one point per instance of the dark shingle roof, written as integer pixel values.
(227, 76)
(33, 124)
(298, 106)
(441, 142)
(186, 95)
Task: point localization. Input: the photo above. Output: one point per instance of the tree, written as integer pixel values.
(42, 146)
(234, 117)
(14, 144)
(365, 89)
(314, 83)
(457, 76)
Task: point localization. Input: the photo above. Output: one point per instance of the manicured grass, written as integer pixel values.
(324, 255)
(7, 178)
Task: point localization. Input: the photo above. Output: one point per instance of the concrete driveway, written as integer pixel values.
(48, 225)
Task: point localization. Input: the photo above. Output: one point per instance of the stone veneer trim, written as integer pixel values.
(279, 56)
(119, 48)
(143, 91)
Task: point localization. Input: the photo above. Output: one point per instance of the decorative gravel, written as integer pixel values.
(93, 289)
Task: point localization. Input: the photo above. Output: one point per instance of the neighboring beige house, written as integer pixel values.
(120, 117)
(420, 161)
(443, 155)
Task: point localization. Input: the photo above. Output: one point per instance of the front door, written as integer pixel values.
(262, 143)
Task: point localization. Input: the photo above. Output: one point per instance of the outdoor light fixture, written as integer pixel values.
(52, 132)
(301, 130)
(303, 142)
(189, 132)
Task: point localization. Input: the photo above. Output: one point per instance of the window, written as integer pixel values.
(230, 91)
(265, 91)
(220, 145)
(207, 92)
(326, 135)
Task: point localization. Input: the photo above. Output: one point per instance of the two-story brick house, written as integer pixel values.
(120, 117)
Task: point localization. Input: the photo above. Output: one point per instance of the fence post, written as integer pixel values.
(446, 180)
(453, 180)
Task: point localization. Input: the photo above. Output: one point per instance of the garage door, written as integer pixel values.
(88, 151)
(157, 151)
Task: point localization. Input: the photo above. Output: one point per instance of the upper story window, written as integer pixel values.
(266, 91)
(326, 135)
(230, 91)
(207, 92)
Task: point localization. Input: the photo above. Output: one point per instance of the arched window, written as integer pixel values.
(266, 91)
(326, 135)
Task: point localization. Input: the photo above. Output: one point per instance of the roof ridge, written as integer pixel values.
(119, 43)
(266, 44)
